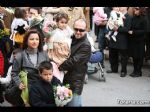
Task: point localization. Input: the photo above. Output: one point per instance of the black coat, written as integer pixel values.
(76, 65)
(41, 93)
(122, 36)
(136, 40)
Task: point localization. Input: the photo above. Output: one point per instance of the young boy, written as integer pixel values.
(41, 93)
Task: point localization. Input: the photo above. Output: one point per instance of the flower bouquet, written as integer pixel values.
(25, 92)
(62, 95)
(48, 27)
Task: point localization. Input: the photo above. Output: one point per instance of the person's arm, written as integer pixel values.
(127, 25)
(16, 67)
(7, 79)
(81, 56)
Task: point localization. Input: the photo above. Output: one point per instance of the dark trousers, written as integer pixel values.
(138, 63)
(91, 19)
(96, 30)
(147, 56)
(114, 59)
(1, 94)
(101, 41)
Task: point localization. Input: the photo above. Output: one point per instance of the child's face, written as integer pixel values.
(47, 75)
(62, 23)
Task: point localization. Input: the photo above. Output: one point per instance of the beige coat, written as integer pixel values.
(87, 17)
(49, 12)
(73, 14)
(8, 18)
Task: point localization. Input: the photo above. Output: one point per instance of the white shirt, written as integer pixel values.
(16, 22)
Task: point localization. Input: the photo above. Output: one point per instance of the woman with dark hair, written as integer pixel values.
(29, 59)
(137, 35)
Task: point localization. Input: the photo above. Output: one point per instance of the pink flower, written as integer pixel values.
(66, 92)
(63, 95)
(46, 29)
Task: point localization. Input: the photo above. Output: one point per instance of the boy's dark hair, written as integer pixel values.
(45, 65)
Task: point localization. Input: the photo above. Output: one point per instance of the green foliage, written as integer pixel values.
(4, 32)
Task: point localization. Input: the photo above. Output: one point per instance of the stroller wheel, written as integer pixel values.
(102, 78)
(86, 79)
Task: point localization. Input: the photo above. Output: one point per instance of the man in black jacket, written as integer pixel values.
(76, 64)
(120, 46)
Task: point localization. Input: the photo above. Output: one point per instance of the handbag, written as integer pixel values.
(12, 94)
(96, 57)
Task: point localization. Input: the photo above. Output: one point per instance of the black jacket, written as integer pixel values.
(76, 65)
(137, 39)
(122, 36)
(41, 93)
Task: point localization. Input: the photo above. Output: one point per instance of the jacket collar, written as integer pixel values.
(76, 40)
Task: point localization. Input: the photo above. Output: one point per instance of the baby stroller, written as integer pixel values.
(95, 59)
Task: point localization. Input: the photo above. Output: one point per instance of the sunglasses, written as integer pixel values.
(80, 30)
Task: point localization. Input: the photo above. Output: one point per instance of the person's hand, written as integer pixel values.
(26, 28)
(115, 28)
(104, 22)
(57, 64)
(130, 32)
(22, 86)
(27, 105)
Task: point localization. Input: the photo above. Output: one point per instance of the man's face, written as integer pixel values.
(79, 29)
(33, 13)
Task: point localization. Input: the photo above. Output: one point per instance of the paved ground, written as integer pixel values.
(118, 91)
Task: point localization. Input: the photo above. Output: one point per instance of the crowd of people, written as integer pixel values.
(52, 45)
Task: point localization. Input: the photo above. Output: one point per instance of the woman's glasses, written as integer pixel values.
(80, 30)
